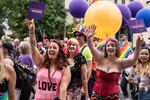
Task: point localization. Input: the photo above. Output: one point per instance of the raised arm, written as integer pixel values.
(94, 51)
(37, 57)
(132, 59)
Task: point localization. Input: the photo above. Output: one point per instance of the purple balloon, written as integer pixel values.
(77, 8)
(126, 14)
(134, 7)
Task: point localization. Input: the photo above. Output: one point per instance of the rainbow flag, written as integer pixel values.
(125, 50)
(101, 43)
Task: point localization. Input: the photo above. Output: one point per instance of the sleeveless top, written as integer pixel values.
(47, 90)
(75, 77)
(106, 83)
(3, 90)
(76, 81)
(144, 81)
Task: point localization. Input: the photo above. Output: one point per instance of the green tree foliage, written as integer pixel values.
(15, 12)
(52, 24)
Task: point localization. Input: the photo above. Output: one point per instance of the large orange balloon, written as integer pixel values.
(106, 16)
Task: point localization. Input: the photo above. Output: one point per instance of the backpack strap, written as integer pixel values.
(83, 48)
(82, 51)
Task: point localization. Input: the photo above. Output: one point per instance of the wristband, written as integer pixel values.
(33, 42)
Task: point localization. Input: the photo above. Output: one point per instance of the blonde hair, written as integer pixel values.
(72, 41)
(25, 47)
(2, 67)
(145, 67)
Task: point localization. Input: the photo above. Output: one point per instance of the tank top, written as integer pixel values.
(106, 83)
(46, 90)
(3, 90)
(76, 81)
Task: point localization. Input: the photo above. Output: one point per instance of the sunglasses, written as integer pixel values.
(78, 35)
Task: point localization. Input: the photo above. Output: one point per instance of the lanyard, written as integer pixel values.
(54, 94)
(51, 75)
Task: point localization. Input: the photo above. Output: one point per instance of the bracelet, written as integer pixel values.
(31, 32)
(33, 42)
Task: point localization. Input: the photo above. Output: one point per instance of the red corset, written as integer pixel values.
(106, 83)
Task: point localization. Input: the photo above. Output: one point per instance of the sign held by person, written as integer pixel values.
(36, 10)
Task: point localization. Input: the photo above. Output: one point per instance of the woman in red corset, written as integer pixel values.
(109, 67)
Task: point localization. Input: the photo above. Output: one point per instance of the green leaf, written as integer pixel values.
(15, 11)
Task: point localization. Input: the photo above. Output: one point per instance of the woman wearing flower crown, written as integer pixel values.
(109, 67)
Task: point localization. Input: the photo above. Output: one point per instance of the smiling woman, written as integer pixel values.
(78, 71)
(72, 47)
(112, 48)
(109, 67)
(142, 70)
(54, 73)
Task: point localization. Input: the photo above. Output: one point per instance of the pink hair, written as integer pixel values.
(72, 41)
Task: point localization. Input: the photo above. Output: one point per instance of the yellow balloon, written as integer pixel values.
(106, 16)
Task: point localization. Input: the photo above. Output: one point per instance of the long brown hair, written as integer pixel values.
(146, 65)
(61, 60)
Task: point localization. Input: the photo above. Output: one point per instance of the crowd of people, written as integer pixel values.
(75, 69)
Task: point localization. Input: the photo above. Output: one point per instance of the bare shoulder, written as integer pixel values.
(8, 61)
(66, 69)
(11, 74)
(9, 68)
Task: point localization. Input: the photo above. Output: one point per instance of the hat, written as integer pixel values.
(80, 28)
